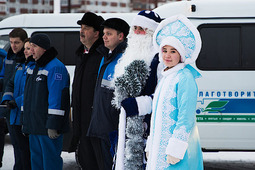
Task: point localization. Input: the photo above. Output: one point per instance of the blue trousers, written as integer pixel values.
(46, 152)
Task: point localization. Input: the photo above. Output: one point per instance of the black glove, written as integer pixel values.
(11, 104)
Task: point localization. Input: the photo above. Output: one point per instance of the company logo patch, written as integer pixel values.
(58, 76)
(38, 79)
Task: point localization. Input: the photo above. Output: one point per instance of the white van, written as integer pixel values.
(226, 97)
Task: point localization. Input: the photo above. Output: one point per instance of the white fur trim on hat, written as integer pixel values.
(174, 42)
(144, 22)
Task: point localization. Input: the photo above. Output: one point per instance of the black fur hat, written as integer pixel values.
(117, 24)
(92, 20)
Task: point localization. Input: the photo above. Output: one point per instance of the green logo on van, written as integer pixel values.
(215, 106)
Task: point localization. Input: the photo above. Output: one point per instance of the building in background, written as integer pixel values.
(15, 7)
(101, 6)
(138, 5)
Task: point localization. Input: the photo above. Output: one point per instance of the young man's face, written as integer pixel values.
(88, 35)
(16, 44)
(37, 51)
(112, 38)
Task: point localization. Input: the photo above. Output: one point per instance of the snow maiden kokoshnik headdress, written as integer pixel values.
(178, 32)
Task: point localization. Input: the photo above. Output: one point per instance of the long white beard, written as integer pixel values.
(140, 47)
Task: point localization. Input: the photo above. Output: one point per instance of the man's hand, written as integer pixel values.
(53, 134)
(172, 160)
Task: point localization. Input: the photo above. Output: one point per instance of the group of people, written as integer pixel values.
(133, 96)
(36, 95)
(134, 93)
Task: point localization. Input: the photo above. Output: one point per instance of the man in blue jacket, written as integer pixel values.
(13, 96)
(46, 105)
(15, 57)
(105, 118)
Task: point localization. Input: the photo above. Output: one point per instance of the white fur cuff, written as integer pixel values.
(144, 104)
(176, 148)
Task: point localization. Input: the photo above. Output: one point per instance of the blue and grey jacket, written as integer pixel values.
(9, 65)
(8, 70)
(46, 96)
(3, 54)
(15, 89)
(105, 118)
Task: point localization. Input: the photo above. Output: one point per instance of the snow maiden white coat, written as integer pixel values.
(173, 128)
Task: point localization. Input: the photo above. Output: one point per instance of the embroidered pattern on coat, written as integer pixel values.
(168, 109)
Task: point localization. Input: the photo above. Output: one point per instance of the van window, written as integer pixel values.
(227, 47)
(4, 42)
(66, 44)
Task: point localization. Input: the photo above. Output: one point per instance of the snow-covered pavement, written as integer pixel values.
(213, 160)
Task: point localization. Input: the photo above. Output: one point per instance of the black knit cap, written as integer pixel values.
(42, 40)
(92, 20)
(117, 24)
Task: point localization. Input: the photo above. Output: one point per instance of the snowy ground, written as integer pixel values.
(212, 160)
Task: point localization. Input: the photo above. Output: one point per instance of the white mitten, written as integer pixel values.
(172, 160)
(144, 104)
(53, 134)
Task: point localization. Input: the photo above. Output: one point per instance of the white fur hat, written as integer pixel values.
(178, 32)
(146, 19)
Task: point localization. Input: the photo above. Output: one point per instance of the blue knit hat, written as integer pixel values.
(146, 19)
(42, 40)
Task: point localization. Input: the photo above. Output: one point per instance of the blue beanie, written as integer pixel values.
(42, 40)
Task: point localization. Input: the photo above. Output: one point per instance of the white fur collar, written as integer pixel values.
(173, 70)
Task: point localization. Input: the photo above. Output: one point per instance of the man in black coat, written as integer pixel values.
(87, 64)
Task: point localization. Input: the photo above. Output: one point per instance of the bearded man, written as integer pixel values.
(135, 81)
